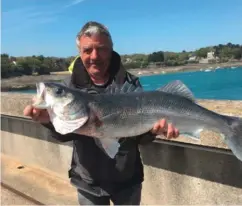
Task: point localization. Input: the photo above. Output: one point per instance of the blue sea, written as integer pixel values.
(223, 84)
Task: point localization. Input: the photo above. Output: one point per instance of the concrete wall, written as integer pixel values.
(177, 175)
(30, 143)
(173, 174)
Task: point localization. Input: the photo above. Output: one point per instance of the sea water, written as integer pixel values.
(223, 83)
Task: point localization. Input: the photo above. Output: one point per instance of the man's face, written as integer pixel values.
(95, 52)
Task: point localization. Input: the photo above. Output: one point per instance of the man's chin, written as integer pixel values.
(97, 70)
(96, 67)
(97, 73)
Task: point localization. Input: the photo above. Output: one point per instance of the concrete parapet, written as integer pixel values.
(179, 175)
(174, 174)
(30, 143)
(13, 104)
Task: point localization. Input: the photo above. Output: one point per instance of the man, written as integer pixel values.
(97, 177)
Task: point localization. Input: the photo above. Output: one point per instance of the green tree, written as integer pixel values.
(202, 52)
(5, 65)
(156, 57)
(28, 65)
(237, 53)
(183, 56)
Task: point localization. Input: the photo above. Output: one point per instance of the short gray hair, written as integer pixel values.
(91, 28)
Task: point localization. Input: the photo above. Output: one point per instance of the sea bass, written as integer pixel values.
(126, 111)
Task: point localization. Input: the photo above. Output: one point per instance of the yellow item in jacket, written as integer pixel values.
(70, 68)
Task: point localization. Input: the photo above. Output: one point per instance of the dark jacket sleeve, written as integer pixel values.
(147, 137)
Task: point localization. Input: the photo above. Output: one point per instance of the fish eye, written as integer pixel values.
(59, 91)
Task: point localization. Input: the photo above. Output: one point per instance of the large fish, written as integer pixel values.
(124, 111)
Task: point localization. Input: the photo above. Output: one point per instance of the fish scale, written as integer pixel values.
(163, 106)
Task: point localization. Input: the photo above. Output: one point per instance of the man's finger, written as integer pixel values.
(170, 131)
(155, 128)
(163, 124)
(33, 99)
(176, 132)
(36, 112)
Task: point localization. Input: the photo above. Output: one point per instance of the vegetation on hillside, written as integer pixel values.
(222, 53)
(17, 66)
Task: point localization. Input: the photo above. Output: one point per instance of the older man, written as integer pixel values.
(97, 177)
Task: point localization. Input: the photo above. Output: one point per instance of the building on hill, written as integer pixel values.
(211, 58)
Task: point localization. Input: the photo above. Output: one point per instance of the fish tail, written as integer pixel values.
(233, 135)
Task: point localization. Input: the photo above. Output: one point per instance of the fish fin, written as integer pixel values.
(110, 118)
(178, 88)
(40, 104)
(95, 117)
(233, 135)
(125, 88)
(100, 121)
(109, 146)
(195, 135)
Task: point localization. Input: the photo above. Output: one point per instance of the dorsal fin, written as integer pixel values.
(179, 88)
(125, 88)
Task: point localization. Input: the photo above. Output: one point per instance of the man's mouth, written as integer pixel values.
(95, 65)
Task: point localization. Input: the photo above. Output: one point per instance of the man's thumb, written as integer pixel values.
(28, 110)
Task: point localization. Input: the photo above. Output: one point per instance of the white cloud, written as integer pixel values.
(28, 17)
(75, 2)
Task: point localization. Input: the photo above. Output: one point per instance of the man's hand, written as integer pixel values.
(38, 115)
(162, 128)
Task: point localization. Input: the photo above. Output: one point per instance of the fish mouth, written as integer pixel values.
(40, 102)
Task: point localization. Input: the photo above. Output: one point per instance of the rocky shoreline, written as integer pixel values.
(28, 82)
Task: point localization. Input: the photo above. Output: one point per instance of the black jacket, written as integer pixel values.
(91, 169)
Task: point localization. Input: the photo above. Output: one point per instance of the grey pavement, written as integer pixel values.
(10, 198)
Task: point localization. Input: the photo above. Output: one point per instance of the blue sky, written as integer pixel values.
(49, 27)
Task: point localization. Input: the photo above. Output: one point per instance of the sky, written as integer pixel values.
(49, 27)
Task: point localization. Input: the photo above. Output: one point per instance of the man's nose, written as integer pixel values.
(94, 54)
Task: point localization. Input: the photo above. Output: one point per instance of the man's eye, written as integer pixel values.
(87, 50)
(103, 49)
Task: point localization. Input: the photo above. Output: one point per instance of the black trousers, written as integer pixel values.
(130, 196)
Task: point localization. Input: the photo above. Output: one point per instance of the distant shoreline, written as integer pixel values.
(185, 68)
(29, 82)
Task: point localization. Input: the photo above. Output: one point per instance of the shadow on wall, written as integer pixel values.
(211, 166)
(27, 128)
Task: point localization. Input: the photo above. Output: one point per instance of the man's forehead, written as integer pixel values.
(93, 44)
(94, 39)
